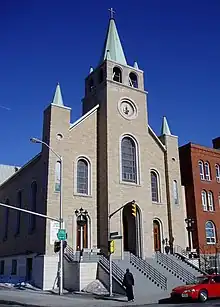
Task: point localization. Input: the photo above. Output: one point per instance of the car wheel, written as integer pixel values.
(203, 296)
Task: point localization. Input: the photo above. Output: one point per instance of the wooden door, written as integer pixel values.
(157, 240)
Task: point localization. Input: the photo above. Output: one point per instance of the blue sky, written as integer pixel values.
(176, 43)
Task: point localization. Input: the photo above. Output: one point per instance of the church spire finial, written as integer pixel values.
(112, 12)
(113, 43)
(57, 99)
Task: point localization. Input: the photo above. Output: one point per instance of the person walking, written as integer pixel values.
(128, 283)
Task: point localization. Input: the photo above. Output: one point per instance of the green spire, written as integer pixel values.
(113, 44)
(165, 130)
(57, 99)
(136, 65)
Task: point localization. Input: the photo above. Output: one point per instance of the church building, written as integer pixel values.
(111, 159)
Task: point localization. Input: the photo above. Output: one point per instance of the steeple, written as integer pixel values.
(113, 44)
(165, 130)
(57, 99)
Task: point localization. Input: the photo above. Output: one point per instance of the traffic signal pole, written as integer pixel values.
(109, 238)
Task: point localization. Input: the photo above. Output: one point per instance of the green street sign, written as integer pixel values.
(61, 235)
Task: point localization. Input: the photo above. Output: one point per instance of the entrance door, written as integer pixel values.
(82, 236)
(29, 266)
(130, 231)
(157, 239)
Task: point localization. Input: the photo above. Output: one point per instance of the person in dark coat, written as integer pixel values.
(128, 283)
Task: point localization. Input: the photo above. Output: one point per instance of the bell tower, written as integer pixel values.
(118, 89)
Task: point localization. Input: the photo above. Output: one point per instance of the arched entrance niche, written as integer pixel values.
(82, 229)
(157, 232)
(132, 230)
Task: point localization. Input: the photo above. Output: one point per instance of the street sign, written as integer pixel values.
(116, 237)
(61, 235)
(114, 233)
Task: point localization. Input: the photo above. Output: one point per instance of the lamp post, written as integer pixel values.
(81, 215)
(190, 222)
(35, 140)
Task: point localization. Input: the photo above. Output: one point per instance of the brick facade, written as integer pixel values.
(190, 155)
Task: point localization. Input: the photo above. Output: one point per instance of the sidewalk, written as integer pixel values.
(30, 298)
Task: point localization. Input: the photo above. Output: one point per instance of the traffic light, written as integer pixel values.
(133, 210)
(111, 246)
(56, 246)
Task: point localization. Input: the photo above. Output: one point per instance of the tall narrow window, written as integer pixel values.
(2, 267)
(128, 160)
(201, 170)
(6, 220)
(19, 205)
(91, 85)
(217, 169)
(57, 177)
(133, 80)
(82, 177)
(14, 267)
(117, 76)
(204, 200)
(32, 220)
(210, 233)
(207, 171)
(175, 192)
(101, 76)
(154, 187)
(210, 201)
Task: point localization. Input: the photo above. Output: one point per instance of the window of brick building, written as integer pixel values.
(2, 267)
(204, 200)
(207, 171)
(14, 267)
(210, 201)
(201, 170)
(217, 169)
(210, 232)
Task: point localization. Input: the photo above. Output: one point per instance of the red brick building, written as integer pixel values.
(200, 172)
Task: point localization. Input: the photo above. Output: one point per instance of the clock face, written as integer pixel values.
(127, 109)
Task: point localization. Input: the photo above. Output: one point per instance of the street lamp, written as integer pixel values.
(81, 215)
(35, 140)
(190, 222)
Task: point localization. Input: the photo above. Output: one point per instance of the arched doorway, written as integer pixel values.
(157, 236)
(82, 229)
(131, 230)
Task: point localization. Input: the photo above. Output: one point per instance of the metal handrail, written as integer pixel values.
(151, 272)
(70, 255)
(117, 273)
(179, 250)
(175, 267)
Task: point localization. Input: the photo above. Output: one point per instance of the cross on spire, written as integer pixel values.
(112, 12)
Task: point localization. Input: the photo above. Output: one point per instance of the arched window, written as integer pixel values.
(207, 171)
(217, 168)
(57, 177)
(32, 219)
(201, 170)
(128, 160)
(154, 187)
(82, 177)
(19, 205)
(133, 80)
(101, 76)
(210, 201)
(6, 220)
(117, 75)
(204, 200)
(210, 233)
(175, 192)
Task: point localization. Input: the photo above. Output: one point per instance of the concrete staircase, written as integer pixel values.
(187, 265)
(146, 284)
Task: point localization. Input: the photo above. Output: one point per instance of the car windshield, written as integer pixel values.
(202, 280)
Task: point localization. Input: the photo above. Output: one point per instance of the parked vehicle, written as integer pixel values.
(204, 287)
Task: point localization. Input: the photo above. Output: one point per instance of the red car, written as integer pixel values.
(205, 287)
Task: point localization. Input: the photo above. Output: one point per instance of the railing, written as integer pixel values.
(179, 250)
(177, 269)
(78, 256)
(117, 273)
(152, 273)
